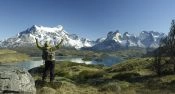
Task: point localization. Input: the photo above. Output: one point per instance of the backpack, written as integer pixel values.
(48, 55)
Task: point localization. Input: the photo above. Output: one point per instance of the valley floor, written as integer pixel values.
(132, 76)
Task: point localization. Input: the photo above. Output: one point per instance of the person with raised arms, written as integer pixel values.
(48, 55)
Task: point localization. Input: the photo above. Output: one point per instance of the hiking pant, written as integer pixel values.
(49, 66)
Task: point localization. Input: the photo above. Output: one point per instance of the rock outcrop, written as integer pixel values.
(15, 80)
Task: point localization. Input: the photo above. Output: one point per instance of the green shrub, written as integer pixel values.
(88, 74)
(40, 84)
(167, 69)
(87, 59)
(111, 87)
(132, 64)
(62, 74)
(126, 76)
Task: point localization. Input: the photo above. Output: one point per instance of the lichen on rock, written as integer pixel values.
(16, 80)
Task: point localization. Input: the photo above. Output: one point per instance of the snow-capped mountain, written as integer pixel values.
(114, 40)
(116, 36)
(111, 42)
(51, 34)
(150, 39)
(130, 39)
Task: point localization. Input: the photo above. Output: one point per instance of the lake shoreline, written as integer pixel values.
(37, 61)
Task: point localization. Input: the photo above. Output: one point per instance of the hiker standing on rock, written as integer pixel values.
(48, 55)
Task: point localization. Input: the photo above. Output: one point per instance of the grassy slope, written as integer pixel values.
(134, 76)
(139, 73)
(73, 78)
(9, 56)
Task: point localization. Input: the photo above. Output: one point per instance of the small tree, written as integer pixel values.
(157, 62)
(158, 56)
(170, 44)
(166, 47)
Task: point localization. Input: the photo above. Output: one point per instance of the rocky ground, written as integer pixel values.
(14, 80)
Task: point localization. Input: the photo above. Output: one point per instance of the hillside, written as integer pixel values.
(134, 76)
(10, 56)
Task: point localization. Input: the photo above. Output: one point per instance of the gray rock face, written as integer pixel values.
(14, 80)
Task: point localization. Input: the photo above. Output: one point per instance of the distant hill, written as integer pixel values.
(10, 56)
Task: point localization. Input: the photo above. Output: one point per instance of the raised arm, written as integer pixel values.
(37, 44)
(58, 46)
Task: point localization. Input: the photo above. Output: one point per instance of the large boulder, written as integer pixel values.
(15, 80)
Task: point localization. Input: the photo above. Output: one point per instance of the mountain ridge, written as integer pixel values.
(51, 34)
(113, 40)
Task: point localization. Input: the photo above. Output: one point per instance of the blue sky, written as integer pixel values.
(87, 18)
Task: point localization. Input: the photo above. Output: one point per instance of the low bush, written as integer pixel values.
(126, 76)
(111, 87)
(88, 74)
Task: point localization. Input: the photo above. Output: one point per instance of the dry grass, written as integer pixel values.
(10, 56)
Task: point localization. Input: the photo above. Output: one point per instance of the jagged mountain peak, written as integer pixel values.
(46, 29)
(128, 35)
(111, 33)
(150, 38)
(51, 34)
(125, 33)
(115, 41)
(116, 36)
(39, 29)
